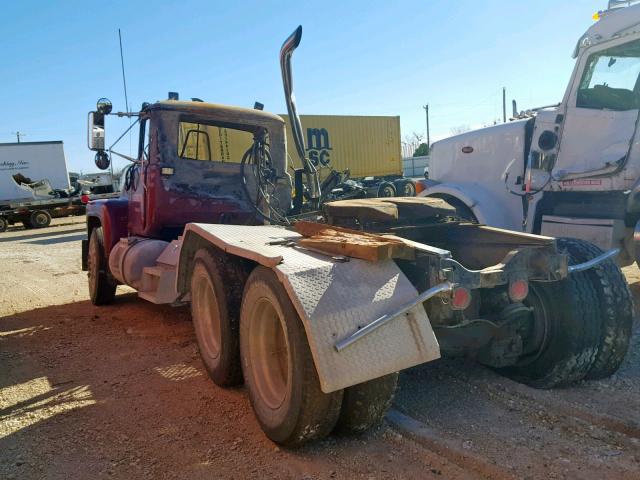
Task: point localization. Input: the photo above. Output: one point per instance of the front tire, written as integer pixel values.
(215, 311)
(281, 377)
(102, 289)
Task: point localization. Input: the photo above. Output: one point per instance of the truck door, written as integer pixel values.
(601, 113)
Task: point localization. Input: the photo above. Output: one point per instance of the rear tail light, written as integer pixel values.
(518, 290)
(460, 298)
(84, 199)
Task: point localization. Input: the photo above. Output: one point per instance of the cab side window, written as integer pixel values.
(610, 79)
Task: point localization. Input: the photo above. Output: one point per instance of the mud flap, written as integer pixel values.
(85, 255)
(335, 298)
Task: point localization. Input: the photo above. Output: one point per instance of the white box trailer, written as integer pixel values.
(35, 162)
(34, 184)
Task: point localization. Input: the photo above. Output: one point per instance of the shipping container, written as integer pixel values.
(369, 146)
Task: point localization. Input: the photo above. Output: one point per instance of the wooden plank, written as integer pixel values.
(366, 209)
(420, 207)
(352, 243)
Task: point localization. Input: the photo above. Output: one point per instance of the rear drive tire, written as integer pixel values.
(365, 405)
(386, 190)
(615, 305)
(27, 224)
(40, 219)
(102, 289)
(278, 368)
(215, 311)
(4, 224)
(405, 187)
(562, 341)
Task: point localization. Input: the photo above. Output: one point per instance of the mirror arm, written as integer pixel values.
(124, 133)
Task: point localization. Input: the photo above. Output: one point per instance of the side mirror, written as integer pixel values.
(95, 132)
(102, 160)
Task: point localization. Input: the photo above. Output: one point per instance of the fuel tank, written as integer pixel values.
(130, 255)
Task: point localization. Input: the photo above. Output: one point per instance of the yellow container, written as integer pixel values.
(366, 145)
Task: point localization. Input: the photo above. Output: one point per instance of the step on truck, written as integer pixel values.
(316, 306)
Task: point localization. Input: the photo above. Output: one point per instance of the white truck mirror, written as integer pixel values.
(95, 136)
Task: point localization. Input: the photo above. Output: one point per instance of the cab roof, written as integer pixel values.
(612, 23)
(224, 113)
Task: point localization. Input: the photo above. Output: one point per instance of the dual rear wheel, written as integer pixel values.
(259, 337)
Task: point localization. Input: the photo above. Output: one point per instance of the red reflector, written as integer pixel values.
(460, 299)
(84, 199)
(518, 290)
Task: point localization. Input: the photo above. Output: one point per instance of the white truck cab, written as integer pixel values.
(569, 170)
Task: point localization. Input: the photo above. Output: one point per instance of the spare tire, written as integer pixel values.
(562, 339)
(614, 303)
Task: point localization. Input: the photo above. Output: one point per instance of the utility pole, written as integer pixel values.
(504, 104)
(19, 135)
(426, 111)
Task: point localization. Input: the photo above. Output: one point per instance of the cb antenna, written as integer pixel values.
(126, 98)
(124, 78)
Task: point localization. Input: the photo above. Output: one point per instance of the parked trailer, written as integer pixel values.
(34, 184)
(317, 317)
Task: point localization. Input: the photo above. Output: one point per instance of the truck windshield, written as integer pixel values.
(610, 79)
(198, 141)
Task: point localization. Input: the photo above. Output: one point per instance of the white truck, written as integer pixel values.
(569, 170)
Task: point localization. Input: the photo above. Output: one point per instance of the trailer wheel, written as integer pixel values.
(366, 404)
(102, 289)
(386, 190)
(278, 368)
(215, 313)
(4, 224)
(562, 340)
(40, 219)
(405, 187)
(615, 306)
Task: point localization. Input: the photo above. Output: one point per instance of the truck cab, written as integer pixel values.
(183, 174)
(576, 164)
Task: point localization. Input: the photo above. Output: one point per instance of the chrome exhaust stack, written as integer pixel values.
(286, 52)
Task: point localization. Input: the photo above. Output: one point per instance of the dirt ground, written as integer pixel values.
(120, 392)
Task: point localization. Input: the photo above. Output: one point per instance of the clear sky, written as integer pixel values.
(357, 57)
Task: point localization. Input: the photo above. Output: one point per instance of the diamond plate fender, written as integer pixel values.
(334, 299)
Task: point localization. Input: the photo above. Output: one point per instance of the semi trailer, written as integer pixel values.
(316, 306)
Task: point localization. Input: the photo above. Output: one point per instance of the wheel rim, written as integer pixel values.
(40, 219)
(408, 190)
(536, 338)
(387, 192)
(207, 312)
(269, 353)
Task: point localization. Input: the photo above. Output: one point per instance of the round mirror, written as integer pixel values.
(102, 160)
(104, 106)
